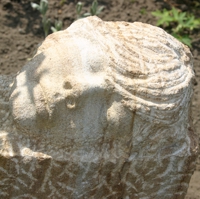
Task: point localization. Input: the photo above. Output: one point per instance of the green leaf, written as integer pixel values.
(192, 23)
(43, 6)
(87, 14)
(53, 29)
(100, 10)
(184, 39)
(156, 13)
(46, 25)
(182, 22)
(79, 6)
(164, 16)
(58, 25)
(94, 7)
(35, 6)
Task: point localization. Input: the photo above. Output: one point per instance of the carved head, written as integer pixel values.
(91, 82)
(105, 105)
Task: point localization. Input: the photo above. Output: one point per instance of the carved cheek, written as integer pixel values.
(29, 107)
(120, 120)
(43, 108)
(113, 115)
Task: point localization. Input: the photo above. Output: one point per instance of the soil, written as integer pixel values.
(21, 32)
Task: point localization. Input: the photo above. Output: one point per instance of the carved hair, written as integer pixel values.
(152, 70)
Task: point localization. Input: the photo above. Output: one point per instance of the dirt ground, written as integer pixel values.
(21, 32)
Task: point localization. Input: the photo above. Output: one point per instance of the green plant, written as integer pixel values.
(57, 27)
(46, 22)
(178, 23)
(143, 11)
(62, 2)
(42, 8)
(94, 9)
(79, 7)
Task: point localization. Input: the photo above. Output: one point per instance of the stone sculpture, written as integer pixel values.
(100, 112)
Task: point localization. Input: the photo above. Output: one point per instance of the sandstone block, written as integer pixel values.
(102, 111)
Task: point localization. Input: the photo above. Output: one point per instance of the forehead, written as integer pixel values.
(74, 60)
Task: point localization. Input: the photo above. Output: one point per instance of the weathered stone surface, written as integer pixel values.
(100, 112)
